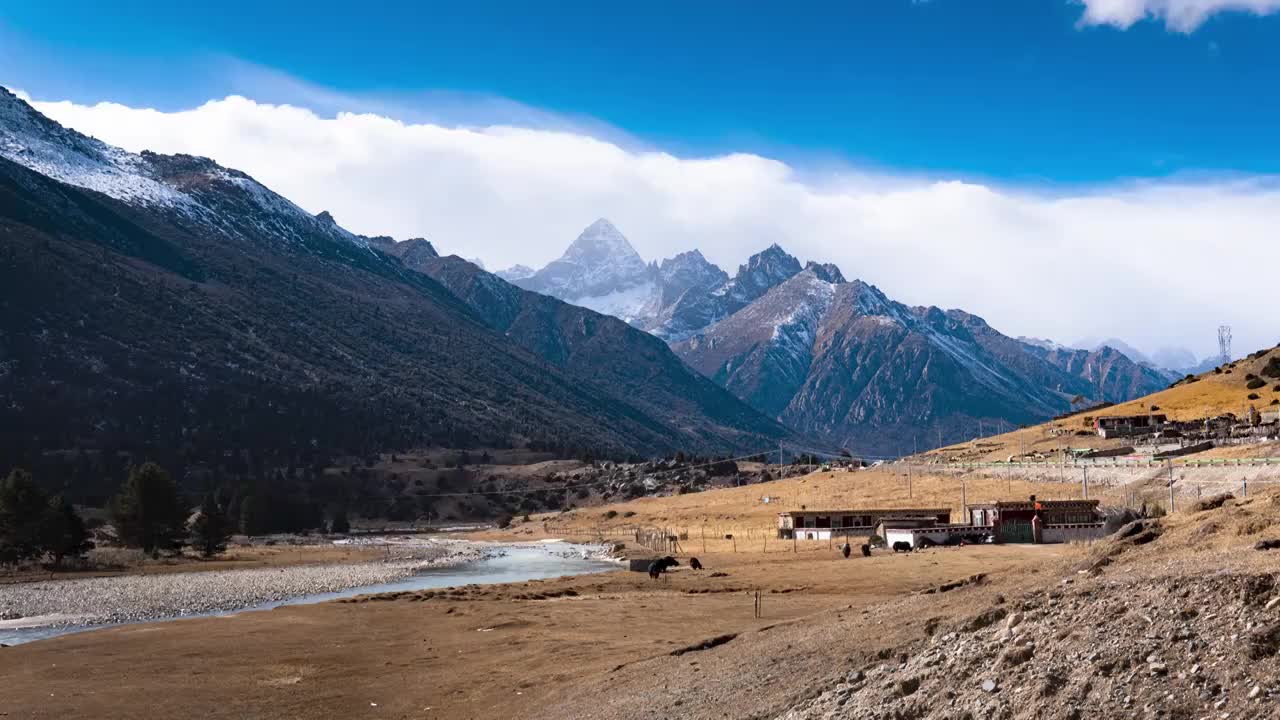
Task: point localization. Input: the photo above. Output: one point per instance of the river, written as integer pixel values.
(516, 563)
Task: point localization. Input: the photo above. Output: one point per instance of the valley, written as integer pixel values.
(275, 468)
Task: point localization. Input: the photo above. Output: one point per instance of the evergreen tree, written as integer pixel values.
(63, 533)
(23, 508)
(211, 529)
(339, 524)
(252, 515)
(146, 512)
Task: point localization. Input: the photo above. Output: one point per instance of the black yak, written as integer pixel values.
(845, 550)
(693, 563)
(659, 566)
(901, 546)
(866, 550)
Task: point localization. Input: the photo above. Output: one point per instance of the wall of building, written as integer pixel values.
(1072, 533)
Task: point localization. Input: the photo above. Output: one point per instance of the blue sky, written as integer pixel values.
(1067, 170)
(1004, 89)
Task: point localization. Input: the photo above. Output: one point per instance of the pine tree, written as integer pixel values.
(339, 525)
(252, 515)
(211, 529)
(146, 512)
(63, 533)
(23, 508)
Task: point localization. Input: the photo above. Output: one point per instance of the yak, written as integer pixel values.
(659, 566)
(901, 546)
(866, 550)
(693, 563)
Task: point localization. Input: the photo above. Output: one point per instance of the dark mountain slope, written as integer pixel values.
(636, 368)
(166, 302)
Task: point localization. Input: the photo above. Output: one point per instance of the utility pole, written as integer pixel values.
(1085, 469)
(1170, 486)
(909, 492)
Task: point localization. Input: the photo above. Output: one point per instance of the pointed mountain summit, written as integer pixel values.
(600, 243)
(600, 270)
(762, 271)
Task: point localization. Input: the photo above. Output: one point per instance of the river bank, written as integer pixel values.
(35, 610)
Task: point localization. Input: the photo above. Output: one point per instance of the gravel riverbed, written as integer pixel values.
(138, 598)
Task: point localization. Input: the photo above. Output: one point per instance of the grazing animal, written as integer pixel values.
(901, 546)
(659, 566)
(866, 550)
(845, 550)
(693, 563)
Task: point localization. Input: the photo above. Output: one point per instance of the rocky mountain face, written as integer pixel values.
(614, 358)
(837, 359)
(673, 299)
(842, 361)
(1111, 375)
(160, 301)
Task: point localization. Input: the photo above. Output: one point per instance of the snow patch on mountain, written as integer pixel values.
(628, 304)
(516, 272)
(40, 144)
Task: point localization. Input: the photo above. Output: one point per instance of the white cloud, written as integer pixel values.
(1182, 16)
(1153, 263)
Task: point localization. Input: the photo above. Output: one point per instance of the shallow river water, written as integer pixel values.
(517, 563)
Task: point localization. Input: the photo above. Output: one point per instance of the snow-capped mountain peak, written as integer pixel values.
(600, 270)
(600, 243)
(516, 272)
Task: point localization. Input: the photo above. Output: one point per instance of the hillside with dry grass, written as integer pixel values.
(744, 513)
(1234, 388)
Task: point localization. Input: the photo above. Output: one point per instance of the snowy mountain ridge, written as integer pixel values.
(197, 189)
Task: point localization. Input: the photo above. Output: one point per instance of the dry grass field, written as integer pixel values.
(706, 518)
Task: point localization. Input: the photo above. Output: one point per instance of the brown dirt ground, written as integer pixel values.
(498, 651)
(603, 646)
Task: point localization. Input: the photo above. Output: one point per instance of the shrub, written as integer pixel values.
(611, 515)
(1273, 367)
(1254, 396)
(1256, 383)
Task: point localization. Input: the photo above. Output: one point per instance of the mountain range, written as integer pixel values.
(167, 301)
(836, 359)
